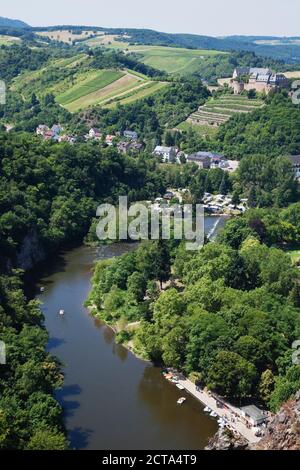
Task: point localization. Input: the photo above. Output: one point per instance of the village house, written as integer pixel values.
(56, 129)
(94, 133)
(206, 160)
(41, 129)
(132, 135)
(123, 146)
(295, 161)
(109, 140)
(167, 154)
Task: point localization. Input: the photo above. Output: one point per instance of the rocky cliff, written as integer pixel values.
(283, 432)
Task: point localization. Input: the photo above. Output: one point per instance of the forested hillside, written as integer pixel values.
(232, 318)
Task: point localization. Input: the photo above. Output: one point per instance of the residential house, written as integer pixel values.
(56, 129)
(41, 129)
(295, 161)
(109, 140)
(206, 159)
(132, 135)
(123, 146)
(94, 133)
(167, 154)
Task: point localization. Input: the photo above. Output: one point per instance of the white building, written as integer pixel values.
(167, 154)
(295, 161)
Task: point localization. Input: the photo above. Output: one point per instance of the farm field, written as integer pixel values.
(217, 111)
(8, 40)
(137, 94)
(127, 83)
(66, 36)
(171, 59)
(93, 83)
(295, 74)
(167, 59)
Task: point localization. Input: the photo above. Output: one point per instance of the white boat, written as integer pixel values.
(207, 409)
(42, 289)
(181, 387)
(181, 401)
(213, 414)
(61, 312)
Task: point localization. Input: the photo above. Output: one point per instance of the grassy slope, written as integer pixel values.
(122, 85)
(167, 59)
(100, 80)
(138, 94)
(8, 40)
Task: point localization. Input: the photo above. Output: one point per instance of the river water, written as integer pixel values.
(112, 400)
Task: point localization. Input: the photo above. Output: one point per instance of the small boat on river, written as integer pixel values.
(61, 312)
(181, 401)
(181, 387)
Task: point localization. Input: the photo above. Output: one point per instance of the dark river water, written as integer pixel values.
(112, 400)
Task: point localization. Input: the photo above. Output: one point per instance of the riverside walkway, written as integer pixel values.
(231, 413)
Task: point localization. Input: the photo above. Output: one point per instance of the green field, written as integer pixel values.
(76, 85)
(100, 80)
(171, 59)
(168, 59)
(203, 131)
(137, 94)
(8, 40)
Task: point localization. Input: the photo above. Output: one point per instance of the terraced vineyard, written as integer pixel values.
(217, 111)
(77, 85)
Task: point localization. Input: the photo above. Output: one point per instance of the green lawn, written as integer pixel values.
(203, 131)
(90, 85)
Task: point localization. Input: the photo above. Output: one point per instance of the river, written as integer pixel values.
(112, 400)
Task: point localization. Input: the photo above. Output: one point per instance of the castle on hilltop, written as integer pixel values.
(259, 79)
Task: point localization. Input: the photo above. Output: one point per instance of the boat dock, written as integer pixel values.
(228, 412)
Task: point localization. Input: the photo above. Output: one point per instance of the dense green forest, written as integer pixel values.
(48, 196)
(272, 130)
(30, 418)
(232, 318)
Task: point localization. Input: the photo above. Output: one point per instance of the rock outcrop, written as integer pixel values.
(224, 439)
(282, 433)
